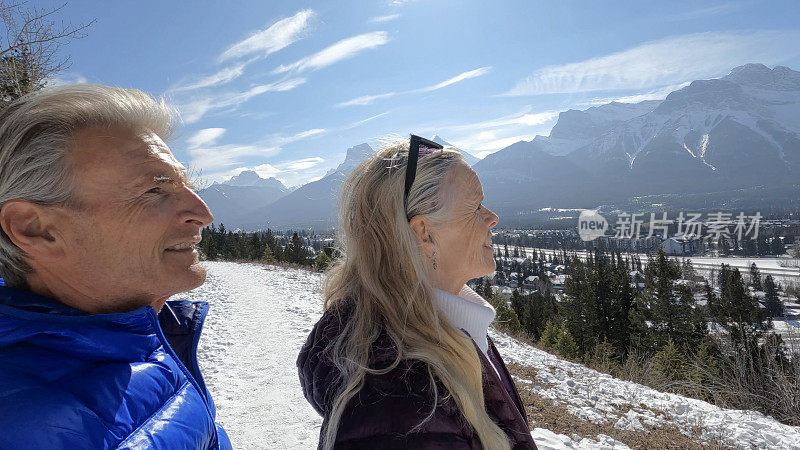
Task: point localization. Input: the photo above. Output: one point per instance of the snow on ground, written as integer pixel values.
(260, 317)
(600, 398)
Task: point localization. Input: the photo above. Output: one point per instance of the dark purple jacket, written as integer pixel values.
(388, 406)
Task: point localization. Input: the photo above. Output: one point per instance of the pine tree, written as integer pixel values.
(565, 345)
(604, 358)
(662, 306)
(506, 317)
(296, 250)
(772, 300)
(670, 363)
(268, 256)
(549, 335)
(321, 262)
(579, 306)
(755, 277)
(738, 312)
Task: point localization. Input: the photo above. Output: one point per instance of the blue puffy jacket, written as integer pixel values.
(69, 380)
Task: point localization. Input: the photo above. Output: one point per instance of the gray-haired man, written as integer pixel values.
(97, 229)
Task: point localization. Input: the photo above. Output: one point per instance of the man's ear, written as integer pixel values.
(31, 228)
(422, 228)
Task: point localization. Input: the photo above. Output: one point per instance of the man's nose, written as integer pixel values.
(196, 210)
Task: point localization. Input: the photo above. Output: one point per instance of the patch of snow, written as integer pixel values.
(631, 406)
(548, 440)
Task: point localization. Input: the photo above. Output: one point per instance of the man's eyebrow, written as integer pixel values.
(184, 176)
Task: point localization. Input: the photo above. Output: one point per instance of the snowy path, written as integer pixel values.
(258, 321)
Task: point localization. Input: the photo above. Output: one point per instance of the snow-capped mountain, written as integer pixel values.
(738, 132)
(233, 200)
(313, 204)
(732, 142)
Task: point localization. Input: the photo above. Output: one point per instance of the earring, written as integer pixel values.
(434, 260)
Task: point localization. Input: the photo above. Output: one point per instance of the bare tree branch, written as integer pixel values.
(29, 55)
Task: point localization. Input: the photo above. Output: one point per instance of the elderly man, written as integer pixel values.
(98, 227)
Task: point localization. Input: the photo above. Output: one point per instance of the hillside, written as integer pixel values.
(260, 316)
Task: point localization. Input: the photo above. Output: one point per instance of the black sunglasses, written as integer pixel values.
(411, 167)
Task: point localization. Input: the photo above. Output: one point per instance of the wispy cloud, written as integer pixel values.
(386, 18)
(363, 121)
(301, 164)
(525, 119)
(366, 99)
(206, 136)
(278, 36)
(299, 136)
(485, 144)
(290, 172)
(664, 62)
(194, 110)
(655, 94)
(458, 78)
(344, 49)
(708, 11)
(370, 99)
(68, 78)
(223, 76)
(487, 136)
(213, 158)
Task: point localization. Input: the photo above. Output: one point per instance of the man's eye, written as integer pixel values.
(155, 190)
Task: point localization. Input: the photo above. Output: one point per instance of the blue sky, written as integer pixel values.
(286, 87)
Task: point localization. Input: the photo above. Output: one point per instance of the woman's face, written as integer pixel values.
(464, 242)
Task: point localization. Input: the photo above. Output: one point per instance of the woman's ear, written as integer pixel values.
(422, 228)
(31, 228)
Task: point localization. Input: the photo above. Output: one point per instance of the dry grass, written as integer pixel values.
(555, 417)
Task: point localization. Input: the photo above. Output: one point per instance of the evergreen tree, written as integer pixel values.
(704, 368)
(662, 307)
(755, 277)
(625, 298)
(296, 250)
(739, 313)
(777, 246)
(549, 335)
(772, 300)
(579, 311)
(506, 317)
(565, 346)
(670, 363)
(268, 256)
(604, 358)
(321, 262)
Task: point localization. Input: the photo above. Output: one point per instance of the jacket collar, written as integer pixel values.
(36, 315)
(28, 301)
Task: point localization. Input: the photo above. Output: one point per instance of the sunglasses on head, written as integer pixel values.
(414, 146)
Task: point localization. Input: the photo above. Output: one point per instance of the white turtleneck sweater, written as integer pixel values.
(470, 312)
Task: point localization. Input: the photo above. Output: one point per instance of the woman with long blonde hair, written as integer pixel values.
(401, 357)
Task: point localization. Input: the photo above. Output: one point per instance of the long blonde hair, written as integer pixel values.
(383, 273)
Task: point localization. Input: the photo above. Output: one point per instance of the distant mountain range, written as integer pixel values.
(725, 143)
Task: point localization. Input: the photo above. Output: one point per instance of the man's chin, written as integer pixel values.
(187, 278)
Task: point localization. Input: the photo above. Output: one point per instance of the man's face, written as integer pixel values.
(130, 242)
